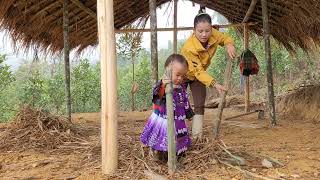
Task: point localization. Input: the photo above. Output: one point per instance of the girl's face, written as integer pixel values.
(203, 31)
(179, 71)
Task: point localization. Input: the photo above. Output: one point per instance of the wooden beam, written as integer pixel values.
(250, 10)
(184, 28)
(33, 17)
(66, 50)
(109, 124)
(266, 37)
(175, 21)
(84, 8)
(247, 89)
(154, 40)
(79, 19)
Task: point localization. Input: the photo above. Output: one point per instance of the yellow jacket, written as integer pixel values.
(199, 58)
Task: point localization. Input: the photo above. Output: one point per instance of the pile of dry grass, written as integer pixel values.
(302, 103)
(39, 130)
(205, 155)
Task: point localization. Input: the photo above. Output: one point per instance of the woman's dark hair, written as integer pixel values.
(175, 58)
(202, 17)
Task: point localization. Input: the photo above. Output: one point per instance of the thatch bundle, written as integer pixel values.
(38, 130)
(39, 23)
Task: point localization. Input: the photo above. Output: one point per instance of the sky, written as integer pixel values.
(185, 16)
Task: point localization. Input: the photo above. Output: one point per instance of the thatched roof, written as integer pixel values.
(39, 22)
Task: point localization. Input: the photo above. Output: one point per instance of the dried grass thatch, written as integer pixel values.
(39, 22)
(39, 130)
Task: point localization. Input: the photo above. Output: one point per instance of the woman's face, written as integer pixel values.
(203, 31)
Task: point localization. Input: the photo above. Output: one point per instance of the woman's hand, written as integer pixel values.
(231, 51)
(220, 88)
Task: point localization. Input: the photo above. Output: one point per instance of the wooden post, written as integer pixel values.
(227, 81)
(66, 53)
(133, 84)
(154, 40)
(175, 20)
(171, 125)
(109, 110)
(266, 36)
(247, 89)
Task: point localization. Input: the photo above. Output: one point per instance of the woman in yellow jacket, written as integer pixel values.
(199, 50)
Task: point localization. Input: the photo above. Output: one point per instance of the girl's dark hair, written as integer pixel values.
(175, 58)
(202, 17)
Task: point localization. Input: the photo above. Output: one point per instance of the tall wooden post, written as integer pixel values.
(154, 40)
(247, 89)
(266, 36)
(171, 125)
(109, 105)
(66, 53)
(175, 21)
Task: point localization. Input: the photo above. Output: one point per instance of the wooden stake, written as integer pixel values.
(247, 89)
(175, 4)
(266, 36)
(66, 53)
(109, 110)
(227, 81)
(154, 40)
(171, 125)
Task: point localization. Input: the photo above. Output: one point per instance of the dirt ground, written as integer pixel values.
(294, 142)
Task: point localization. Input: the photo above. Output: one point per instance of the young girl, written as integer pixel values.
(198, 50)
(154, 134)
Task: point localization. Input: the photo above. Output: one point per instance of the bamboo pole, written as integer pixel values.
(171, 125)
(184, 28)
(66, 53)
(266, 36)
(154, 40)
(247, 89)
(109, 110)
(175, 20)
(227, 81)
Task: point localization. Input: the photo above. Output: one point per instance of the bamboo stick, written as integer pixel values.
(227, 80)
(266, 36)
(184, 28)
(109, 110)
(171, 125)
(154, 40)
(66, 50)
(175, 4)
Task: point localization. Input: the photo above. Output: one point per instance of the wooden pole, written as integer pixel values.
(154, 40)
(247, 89)
(184, 28)
(66, 53)
(109, 110)
(250, 10)
(227, 81)
(266, 36)
(171, 125)
(175, 20)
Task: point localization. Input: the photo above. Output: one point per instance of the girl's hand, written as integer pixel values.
(220, 88)
(231, 51)
(165, 80)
